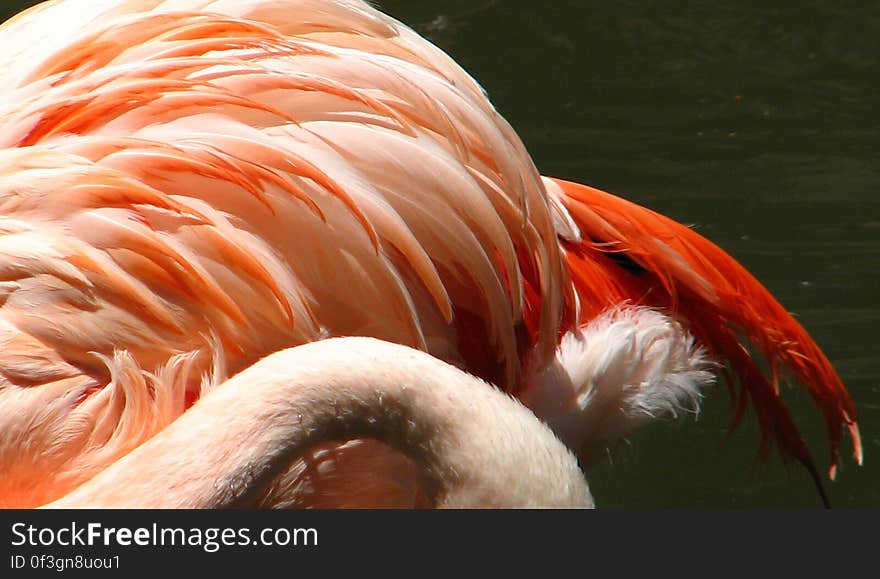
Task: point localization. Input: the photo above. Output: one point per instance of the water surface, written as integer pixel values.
(760, 127)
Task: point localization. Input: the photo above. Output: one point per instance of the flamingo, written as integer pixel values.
(286, 253)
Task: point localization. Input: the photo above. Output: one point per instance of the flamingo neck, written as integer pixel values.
(475, 446)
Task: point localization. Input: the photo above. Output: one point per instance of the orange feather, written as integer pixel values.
(630, 253)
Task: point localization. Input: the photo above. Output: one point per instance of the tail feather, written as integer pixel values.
(630, 253)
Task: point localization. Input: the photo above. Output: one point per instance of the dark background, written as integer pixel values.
(758, 124)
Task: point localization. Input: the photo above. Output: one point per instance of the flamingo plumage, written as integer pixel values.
(190, 186)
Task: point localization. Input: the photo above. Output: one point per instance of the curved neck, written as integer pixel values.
(475, 446)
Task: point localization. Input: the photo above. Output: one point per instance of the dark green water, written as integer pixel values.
(758, 125)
